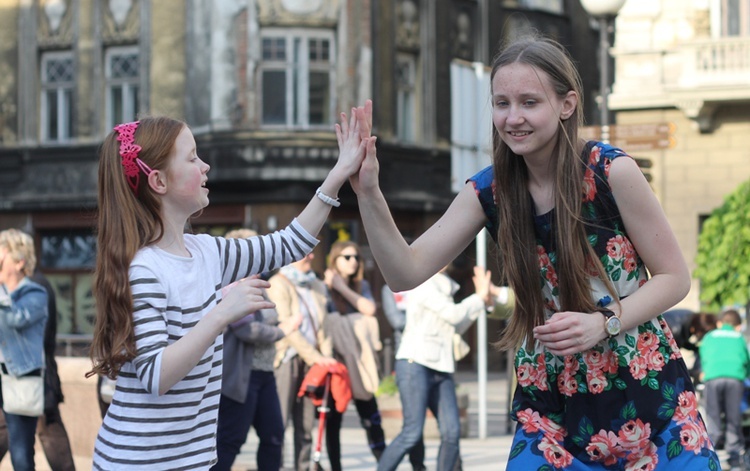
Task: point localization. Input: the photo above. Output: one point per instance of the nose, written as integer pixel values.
(515, 115)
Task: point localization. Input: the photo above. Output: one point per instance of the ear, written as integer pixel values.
(569, 104)
(157, 180)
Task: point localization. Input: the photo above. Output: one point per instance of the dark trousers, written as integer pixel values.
(53, 437)
(724, 398)
(300, 410)
(369, 417)
(262, 411)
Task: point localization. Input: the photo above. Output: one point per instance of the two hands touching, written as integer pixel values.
(567, 333)
(357, 153)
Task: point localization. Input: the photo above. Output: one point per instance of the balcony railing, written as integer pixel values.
(715, 63)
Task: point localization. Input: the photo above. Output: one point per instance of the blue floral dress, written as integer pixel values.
(628, 402)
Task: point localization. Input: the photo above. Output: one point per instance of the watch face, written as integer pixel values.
(613, 325)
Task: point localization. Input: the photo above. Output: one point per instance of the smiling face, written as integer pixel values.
(526, 110)
(186, 175)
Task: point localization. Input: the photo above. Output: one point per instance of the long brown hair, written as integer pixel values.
(516, 238)
(354, 282)
(126, 223)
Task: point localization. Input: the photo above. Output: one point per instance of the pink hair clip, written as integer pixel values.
(131, 164)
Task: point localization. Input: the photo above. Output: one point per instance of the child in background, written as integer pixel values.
(726, 364)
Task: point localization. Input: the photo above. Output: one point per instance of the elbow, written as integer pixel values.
(684, 285)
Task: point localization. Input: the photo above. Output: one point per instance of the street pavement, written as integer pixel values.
(477, 454)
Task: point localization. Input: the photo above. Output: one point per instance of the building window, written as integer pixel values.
(57, 96)
(406, 84)
(551, 6)
(67, 258)
(735, 17)
(297, 73)
(122, 77)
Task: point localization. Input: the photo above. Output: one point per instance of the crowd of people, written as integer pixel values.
(206, 337)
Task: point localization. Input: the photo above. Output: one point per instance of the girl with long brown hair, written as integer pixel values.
(356, 341)
(160, 309)
(593, 263)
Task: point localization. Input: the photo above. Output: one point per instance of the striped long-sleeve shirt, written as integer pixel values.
(177, 430)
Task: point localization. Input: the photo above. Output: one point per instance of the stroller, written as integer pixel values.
(320, 384)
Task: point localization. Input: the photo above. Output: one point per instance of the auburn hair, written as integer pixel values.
(516, 237)
(128, 221)
(354, 281)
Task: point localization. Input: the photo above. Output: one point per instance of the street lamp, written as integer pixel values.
(605, 12)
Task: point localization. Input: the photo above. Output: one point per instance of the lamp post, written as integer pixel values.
(605, 12)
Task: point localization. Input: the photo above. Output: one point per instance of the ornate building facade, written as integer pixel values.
(686, 64)
(260, 83)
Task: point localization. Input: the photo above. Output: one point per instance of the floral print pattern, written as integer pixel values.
(628, 402)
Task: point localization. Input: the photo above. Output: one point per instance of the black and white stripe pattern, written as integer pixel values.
(177, 430)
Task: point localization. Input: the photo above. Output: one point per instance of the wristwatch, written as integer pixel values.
(612, 324)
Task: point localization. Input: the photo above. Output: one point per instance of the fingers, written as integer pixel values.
(365, 117)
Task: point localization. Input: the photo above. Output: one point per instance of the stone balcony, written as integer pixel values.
(695, 76)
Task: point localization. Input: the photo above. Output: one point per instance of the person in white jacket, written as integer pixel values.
(425, 364)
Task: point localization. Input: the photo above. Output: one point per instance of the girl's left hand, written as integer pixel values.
(566, 333)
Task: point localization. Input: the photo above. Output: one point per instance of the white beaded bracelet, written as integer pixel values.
(327, 199)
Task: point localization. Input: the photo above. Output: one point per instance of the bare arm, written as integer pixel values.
(653, 239)
(334, 281)
(402, 265)
(648, 229)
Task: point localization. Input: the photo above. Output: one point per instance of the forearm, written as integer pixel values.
(656, 296)
(389, 248)
(181, 357)
(316, 212)
(361, 303)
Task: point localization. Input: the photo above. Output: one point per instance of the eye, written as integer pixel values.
(501, 104)
(529, 103)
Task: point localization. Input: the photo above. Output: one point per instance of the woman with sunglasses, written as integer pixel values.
(356, 340)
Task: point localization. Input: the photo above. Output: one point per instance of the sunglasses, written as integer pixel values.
(349, 257)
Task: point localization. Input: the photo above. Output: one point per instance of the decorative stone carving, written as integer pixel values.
(120, 21)
(55, 10)
(463, 40)
(298, 12)
(407, 24)
(119, 10)
(700, 111)
(54, 26)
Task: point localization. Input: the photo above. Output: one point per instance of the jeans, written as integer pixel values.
(724, 395)
(52, 435)
(262, 411)
(21, 436)
(421, 387)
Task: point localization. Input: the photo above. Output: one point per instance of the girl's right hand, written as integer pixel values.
(366, 180)
(244, 297)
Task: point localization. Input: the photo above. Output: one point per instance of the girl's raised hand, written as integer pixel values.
(352, 134)
(244, 296)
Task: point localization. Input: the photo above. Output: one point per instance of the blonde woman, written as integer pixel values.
(23, 315)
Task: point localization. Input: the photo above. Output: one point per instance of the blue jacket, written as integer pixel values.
(22, 320)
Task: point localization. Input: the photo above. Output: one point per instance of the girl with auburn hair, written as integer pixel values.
(601, 382)
(356, 341)
(159, 303)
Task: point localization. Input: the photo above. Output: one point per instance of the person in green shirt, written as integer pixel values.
(726, 364)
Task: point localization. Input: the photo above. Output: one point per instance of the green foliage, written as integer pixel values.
(724, 251)
(387, 386)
